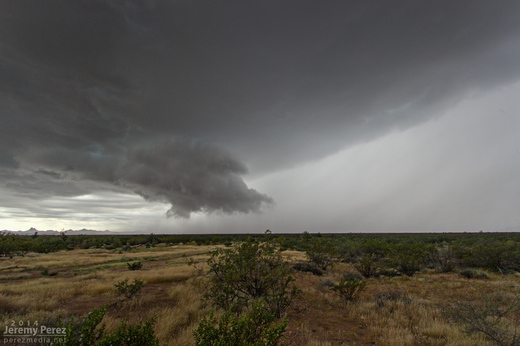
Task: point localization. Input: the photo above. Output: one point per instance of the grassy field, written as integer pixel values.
(390, 311)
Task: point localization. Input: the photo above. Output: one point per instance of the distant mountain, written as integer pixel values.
(83, 231)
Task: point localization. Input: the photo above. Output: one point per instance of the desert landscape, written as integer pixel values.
(349, 291)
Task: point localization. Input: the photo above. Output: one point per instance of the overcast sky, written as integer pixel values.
(240, 116)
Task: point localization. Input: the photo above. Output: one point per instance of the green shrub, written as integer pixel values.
(308, 267)
(134, 266)
(129, 290)
(252, 328)
(85, 332)
(367, 265)
(349, 287)
(247, 272)
(408, 258)
(138, 335)
(499, 256)
(321, 252)
(446, 259)
(88, 332)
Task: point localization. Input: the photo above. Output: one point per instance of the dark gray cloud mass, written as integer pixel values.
(173, 100)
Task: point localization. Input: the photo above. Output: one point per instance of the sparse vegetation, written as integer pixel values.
(392, 309)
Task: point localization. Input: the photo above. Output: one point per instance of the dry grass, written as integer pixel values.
(172, 292)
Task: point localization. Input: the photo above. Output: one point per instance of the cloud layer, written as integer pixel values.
(177, 101)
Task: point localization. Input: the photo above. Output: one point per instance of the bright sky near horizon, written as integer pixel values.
(206, 117)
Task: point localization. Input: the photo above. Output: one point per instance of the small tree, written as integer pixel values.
(247, 272)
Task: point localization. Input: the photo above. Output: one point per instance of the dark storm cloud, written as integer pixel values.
(145, 95)
(191, 176)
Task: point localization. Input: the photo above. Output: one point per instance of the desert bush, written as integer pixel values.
(89, 332)
(408, 258)
(498, 256)
(308, 267)
(256, 327)
(495, 315)
(321, 252)
(473, 274)
(247, 272)
(367, 265)
(349, 287)
(445, 259)
(134, 266)
(129, 290)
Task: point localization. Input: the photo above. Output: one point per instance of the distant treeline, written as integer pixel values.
(374, 253)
